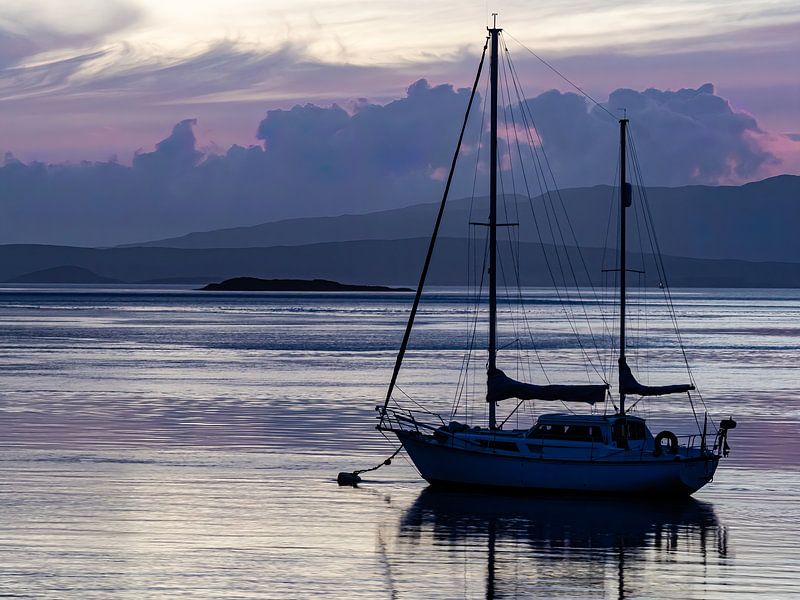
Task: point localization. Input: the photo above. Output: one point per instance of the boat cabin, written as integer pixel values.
(620, 431)
(554, 431)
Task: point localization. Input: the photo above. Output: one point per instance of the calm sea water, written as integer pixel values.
(169, 443)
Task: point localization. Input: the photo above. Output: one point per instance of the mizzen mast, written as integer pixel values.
(627, 381)
(494, 34)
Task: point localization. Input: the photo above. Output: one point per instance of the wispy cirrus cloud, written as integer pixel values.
(36, 28)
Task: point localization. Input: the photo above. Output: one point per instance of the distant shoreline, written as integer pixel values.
(393, 263)
(255, 284)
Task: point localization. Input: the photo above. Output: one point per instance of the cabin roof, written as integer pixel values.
(585, 419)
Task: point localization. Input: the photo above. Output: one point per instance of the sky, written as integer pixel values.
(111, 81)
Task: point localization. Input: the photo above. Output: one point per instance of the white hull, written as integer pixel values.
(630, 472)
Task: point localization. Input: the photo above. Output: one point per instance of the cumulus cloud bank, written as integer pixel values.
(684, 136)
(317, 160)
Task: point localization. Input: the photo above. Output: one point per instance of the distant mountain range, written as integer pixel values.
(711, 237)
(64, 274)
(378, 262)
(755, 222)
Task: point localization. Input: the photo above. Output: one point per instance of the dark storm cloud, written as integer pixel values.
(318, 160)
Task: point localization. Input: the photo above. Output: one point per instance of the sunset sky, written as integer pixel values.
(126, 120)
(87, 79)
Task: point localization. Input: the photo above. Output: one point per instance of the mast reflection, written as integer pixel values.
(605, 546)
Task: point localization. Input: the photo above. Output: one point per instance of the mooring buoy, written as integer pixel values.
(345, 478)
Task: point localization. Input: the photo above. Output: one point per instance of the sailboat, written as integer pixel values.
(592, 453)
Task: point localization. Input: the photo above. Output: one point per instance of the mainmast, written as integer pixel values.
(624, 203)
(494, 33)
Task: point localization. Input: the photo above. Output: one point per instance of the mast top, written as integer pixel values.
(494, 24)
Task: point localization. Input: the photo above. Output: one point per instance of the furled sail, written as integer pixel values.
(501, 387)
(629, 385)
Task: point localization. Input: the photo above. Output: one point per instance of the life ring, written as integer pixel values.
(672, 445)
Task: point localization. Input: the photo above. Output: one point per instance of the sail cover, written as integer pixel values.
(501, 387)
(629, 385)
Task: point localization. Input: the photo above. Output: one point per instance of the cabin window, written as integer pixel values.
(629, 430)
(575, 433)
(507, 446)
(636, 430)
(546, 431)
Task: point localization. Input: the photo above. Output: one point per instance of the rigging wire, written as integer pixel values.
(525, 180)
(503, 101)
(646, 218)
(529, 123)
(614, 306)
(637, 344)
(432, 243)
(525, 105)
(418, 405)
(472, 324)
(468, 355)
(555, 212)
(659, 262)
(511, 162)
(560, 74)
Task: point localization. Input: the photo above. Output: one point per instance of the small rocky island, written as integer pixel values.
(254, 284)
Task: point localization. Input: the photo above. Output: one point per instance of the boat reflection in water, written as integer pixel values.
(573, 546)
